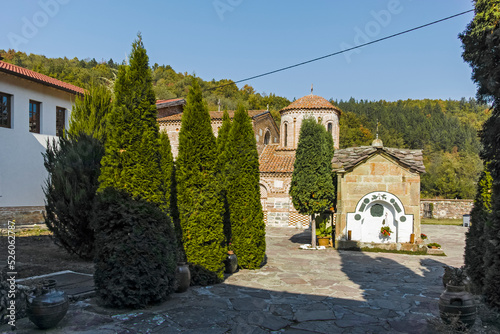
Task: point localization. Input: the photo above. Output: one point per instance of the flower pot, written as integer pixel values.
(46, 310)
(231, 263)
(455, 301)
(182, 277)
(324, 241)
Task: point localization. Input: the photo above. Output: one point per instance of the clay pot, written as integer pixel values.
(46, 310)
(455, 301)
(182, 277)
(231, 263)
(324, 241)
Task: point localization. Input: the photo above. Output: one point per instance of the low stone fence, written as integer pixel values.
(22, 215)
(445, 208)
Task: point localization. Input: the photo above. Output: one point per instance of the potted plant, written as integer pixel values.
(323, 233)
(385, 231)
(455, 301)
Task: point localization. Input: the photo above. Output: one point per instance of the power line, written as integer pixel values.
(342, 51)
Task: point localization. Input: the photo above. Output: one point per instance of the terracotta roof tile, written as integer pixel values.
(348, 158)
(311, 102)
(40, 78)
(213, 115)
(170, 102)
(274, 160)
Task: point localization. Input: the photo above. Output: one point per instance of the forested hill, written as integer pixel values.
(167, 83)
(446, 130)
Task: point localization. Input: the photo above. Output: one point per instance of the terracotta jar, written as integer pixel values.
(182, 277)
(47, 309)
(455, 301)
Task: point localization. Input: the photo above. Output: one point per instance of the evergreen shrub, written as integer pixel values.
(73, 166)
(136, 251)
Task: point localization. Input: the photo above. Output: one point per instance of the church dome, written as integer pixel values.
(311, 102)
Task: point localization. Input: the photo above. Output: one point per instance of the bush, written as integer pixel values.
(136, 252)
(74, 167)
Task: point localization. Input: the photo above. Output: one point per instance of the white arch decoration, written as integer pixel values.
(375, 210)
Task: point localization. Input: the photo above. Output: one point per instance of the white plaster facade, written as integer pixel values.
(22, 173)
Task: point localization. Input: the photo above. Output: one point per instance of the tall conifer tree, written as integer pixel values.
(248, 234)
(132, 160)
(167, 169)
(480, 42)
(222, 142)
(475, 246)
(198, 199)
(312, 187)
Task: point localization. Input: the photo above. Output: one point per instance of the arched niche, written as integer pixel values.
(375, 210)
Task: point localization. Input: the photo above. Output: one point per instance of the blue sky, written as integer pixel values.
(236, 39)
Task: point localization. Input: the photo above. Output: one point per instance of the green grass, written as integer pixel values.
(456, 222)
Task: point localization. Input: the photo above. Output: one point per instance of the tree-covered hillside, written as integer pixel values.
(167, 83)
(446, 130)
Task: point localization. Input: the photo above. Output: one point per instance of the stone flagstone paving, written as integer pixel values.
(297, 291)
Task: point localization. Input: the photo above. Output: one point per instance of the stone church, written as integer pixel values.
(376, 186)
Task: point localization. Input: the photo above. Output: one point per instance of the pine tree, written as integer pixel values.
(475, 243)
(73, 165)
(312, 189)
(132, 160)
(248, 234)
(198, 192)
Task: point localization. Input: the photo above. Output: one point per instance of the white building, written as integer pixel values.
(33, 109)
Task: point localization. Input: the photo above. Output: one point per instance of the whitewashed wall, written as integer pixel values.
(22, 173)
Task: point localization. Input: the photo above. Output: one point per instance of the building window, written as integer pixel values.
(330, 128)
(286, 135)
(267, 138)
(5, 111)
(34, 116)
(60, 120)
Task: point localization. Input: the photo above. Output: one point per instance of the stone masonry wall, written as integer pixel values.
(22, 215)
(445, 208)
(378, 173)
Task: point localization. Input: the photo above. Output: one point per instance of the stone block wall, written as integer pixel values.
(445, 208)
(23, 215)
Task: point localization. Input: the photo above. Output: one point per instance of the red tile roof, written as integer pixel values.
(311, 102)
(276, 160)
(40, 78)
(213, 115)
(170, 102)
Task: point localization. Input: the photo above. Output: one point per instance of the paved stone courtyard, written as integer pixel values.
(298, 291)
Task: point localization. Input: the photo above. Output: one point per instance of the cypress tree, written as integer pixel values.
(248, 234)
(132, 160)
(90, 112)
(312, 187)
(222, 140)
(167, 169)
(480, 42)
(475, 245)
(74, 165)
(198, 192)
